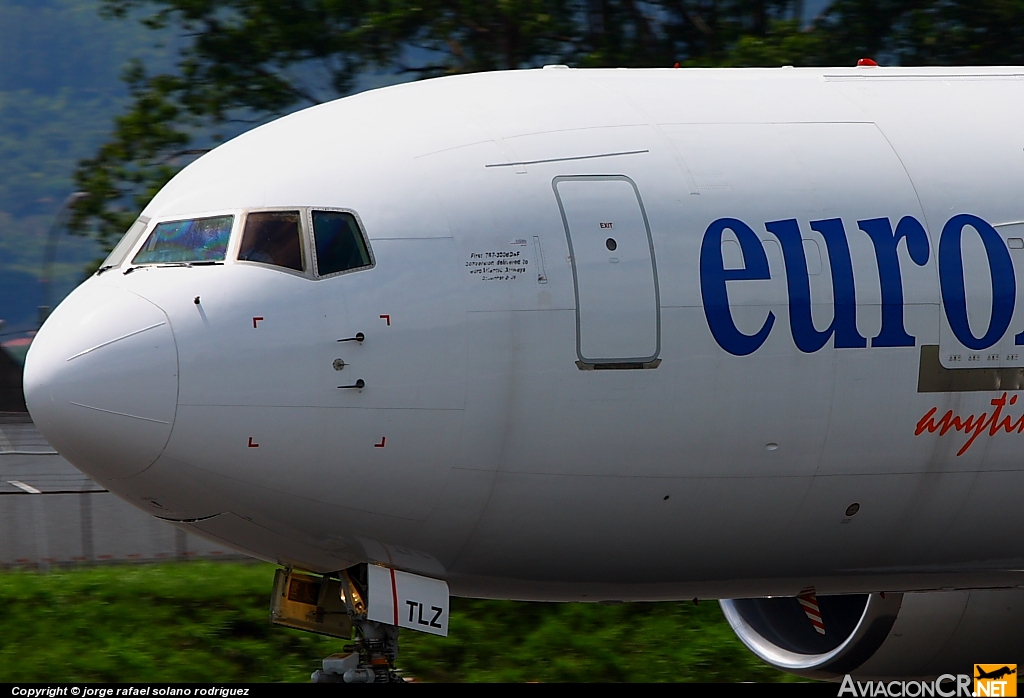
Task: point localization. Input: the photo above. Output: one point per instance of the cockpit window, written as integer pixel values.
(195, 240)
(122, 248)
(272, 237)
(339, 243)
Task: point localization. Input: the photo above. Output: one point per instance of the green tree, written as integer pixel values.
(916, 32)
(243, 62)
(248, 61)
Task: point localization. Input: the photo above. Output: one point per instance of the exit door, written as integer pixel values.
(618, 323)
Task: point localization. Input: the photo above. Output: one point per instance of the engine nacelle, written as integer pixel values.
(884, 636)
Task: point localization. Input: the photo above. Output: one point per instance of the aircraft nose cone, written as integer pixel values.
(101, 381)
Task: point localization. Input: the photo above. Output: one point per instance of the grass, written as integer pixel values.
(207, 622)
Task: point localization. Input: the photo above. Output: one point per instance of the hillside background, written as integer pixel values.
(60, 88)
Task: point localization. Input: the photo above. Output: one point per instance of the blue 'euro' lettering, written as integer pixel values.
(951, 281)
(844, 319)
(886, 242)
(714, 277)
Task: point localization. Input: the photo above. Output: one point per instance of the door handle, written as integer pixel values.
(358, 338)
(358, 385)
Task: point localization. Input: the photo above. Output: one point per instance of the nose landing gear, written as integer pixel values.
(372, 600)
(336, 605)
(371, 659)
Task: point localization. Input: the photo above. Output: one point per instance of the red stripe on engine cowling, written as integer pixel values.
(809, 601)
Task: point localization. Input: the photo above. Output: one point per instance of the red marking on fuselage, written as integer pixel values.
(973, 425)
(386, 317)
(256, 320)
(381, 444)
(251, 444)
(394, 595)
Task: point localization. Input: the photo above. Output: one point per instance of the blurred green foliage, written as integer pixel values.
(174, 622)
(197, 72)
(206, 622)
(248, 61)
(520, 641)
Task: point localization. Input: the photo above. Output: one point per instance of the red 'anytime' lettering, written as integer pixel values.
(975, 426)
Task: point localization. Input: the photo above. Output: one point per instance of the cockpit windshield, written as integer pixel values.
(194, 240)
(122, 248)
(272, 237)
(339, 244)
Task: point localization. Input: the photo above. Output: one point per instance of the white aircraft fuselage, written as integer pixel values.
(626, 334)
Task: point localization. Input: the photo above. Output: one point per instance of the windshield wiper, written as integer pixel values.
(198, 263)
(165, 265)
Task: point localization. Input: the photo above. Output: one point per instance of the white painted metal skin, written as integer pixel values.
(479, 451)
